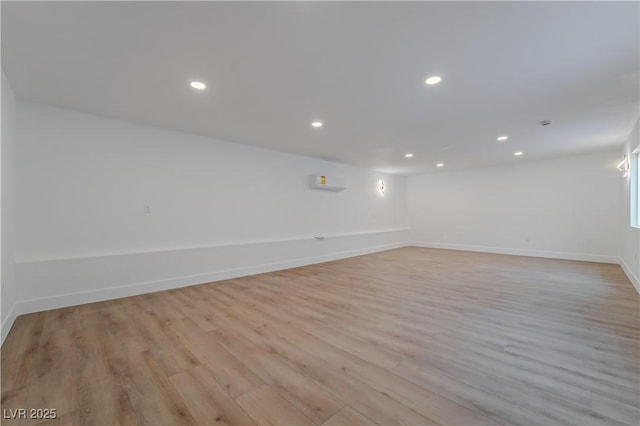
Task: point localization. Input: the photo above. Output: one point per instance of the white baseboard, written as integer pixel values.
(635, 281)
(95, 279)
(520, 252)
(536, 253)
(109, 293)
(8, 322)
(57, 283)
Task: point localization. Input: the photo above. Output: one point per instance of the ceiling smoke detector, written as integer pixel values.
(545, 122)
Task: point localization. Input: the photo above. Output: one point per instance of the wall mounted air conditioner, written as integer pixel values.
(331, 183)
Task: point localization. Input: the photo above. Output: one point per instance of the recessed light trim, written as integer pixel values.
(433, 80)
(409, 155)
(503, 138)
(518, 153)
(440, 165)
(198, 85)
(316, 124)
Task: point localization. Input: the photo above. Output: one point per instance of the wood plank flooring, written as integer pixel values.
(410, 336)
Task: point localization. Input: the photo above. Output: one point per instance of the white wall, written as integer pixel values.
(220, 210)
(217, 209)
(630, 256)
(564, 207)
(8, 207)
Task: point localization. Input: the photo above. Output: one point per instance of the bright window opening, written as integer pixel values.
(634, 188)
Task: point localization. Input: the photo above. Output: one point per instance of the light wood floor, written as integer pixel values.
(409, 336)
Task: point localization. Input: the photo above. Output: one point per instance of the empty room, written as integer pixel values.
(320, 213)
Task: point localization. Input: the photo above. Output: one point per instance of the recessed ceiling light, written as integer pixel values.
(440, 165)
(198, 85)
(408, 155)
(433, 80)
(517, 153)
(316, 124)
(503, 138)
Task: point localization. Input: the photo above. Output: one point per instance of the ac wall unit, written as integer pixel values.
(331, 183)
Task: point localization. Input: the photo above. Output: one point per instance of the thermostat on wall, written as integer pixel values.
(331, 183)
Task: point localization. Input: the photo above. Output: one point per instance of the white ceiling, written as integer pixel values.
(272, 68)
